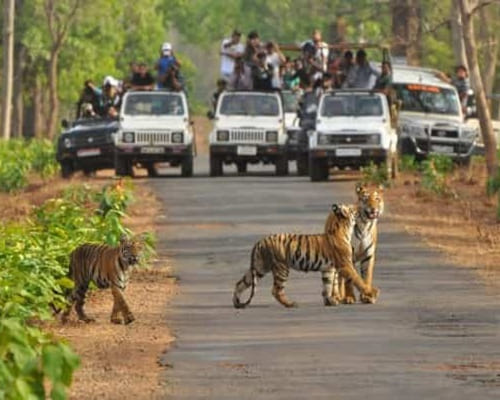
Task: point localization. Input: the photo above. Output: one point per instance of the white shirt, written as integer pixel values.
(274, 60)
(322, 52)
(226, 62)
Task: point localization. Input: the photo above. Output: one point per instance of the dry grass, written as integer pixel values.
(464, 227)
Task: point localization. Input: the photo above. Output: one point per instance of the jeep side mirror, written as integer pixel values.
(65, 123)
(210, 114)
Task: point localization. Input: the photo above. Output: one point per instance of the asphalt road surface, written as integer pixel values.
(434, 333)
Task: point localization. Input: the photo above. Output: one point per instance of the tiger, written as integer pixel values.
(370, 205)
(106, 266)
(320, 252)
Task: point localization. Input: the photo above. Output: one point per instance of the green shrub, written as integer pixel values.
(407, 163)
(34, 258)
(375, 174)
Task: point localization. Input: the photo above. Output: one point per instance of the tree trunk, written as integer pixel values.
(407, 30)
(18, 117)
(483, 111)
(53, 94)
(8, 66)
(487, 38)
(456, 35)
(38, 123)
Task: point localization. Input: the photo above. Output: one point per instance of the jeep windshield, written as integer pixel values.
(427, 98)
(237, 104)
(290, 102)
(340, 105)
(148, 104)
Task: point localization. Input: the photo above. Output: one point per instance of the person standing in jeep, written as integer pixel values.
(262, 73)
(231, 49)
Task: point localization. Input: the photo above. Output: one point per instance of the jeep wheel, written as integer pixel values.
(302, 165)
(242, 167)
(318, 169)
(282, 165)
(215, 166)
(89, 173)
(67, 169)
(152, 172)
(187, 166)
(123, 167)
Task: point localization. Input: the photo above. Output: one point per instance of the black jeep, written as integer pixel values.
(86, 145)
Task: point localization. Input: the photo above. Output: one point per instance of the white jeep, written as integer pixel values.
(154, 128)
(353, 129)
(430, 116)
(248, 128)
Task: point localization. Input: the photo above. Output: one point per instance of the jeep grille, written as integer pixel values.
(247, 135)
(152, 137)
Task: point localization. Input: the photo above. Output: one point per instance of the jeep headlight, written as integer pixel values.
(373, 139)
(177, 137)
(272, 136)
(222, 136)
(322, 139)
(469, 134)
(67, 142)
(128, 137)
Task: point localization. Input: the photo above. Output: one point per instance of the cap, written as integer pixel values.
(166, 47)
(110, 81)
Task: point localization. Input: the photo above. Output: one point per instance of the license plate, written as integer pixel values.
(442, 149)
(348, 152)
(246, 150)
(88, 152)
(152, 150)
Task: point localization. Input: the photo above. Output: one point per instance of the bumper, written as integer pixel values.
(85, 158)
(233, 152)
(139, 154)
(422, 147)
(367, 156)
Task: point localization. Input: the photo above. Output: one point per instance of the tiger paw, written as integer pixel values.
(371, 296)
(291, 304)
(116, 320)
(87, 319)
(349, 300)
(330, 301)
(129, 319)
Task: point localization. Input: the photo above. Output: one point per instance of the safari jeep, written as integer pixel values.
(353, 129)
(154, 128)
(430, 116)
(248, 128)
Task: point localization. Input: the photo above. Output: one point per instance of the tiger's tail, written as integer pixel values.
(236, 300)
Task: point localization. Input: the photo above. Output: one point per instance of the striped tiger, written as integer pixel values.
(321, 252)
(364, 240)
(106, 266)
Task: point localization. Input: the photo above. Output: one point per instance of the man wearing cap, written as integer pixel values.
(362, 75)
(164, 63)
(231, 48)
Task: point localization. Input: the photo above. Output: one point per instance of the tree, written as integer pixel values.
(467, 11)
(8, 67)
(407, 30)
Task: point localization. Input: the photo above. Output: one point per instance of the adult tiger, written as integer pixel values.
(106, 266)
(364, 240)
(321, 252)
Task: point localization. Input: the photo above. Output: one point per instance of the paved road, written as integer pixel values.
(434, 334)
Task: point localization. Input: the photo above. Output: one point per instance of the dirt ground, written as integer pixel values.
(462, 226)
(118, 362)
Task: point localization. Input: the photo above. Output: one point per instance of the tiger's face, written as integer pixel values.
(130, 250)
(370, 201)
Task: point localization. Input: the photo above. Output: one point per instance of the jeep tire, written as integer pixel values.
(187, 166)
(215, 166)
(302, 165)
(123, 167)
(241, 166)
(281, 165)
(318, 169)
(67, 169)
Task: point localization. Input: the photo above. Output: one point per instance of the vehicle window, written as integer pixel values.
(290, 101)
(240, 104)
(352, 106)
(427, 98)
(148, 104)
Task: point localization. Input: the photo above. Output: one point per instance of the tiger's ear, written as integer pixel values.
(380, 188)
(123, 238)
(360, 188)
(335, 208)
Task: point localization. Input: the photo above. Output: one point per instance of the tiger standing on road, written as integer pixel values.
(106, 266)
(321, 252)
(364, 241)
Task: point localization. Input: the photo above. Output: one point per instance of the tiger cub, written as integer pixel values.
(320, 252)
(364, 240)
(106, 266)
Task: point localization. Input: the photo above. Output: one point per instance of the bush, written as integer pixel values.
(407, 163)
(375, 174)
(34, 258)
(19, 158)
